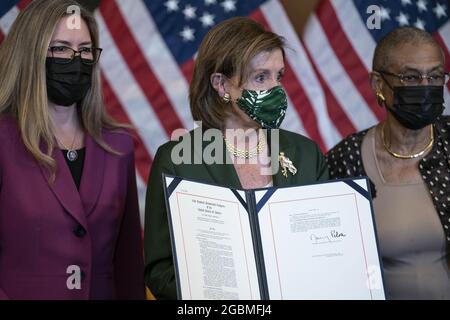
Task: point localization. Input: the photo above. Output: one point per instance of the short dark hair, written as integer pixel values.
(228, 48)
(397, 38)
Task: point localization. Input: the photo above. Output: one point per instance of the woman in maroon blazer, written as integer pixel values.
(69, 219)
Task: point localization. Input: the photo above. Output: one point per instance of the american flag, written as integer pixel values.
(150, 47)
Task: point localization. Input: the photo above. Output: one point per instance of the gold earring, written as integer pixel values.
(380, 98)
(226, 97)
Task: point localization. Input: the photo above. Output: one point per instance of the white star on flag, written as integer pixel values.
(208, 2)
(402, 19)
(385, 14)
(187, 34)
(422, 5)
(189, 12)
(420, 24)
(207, 19)
(439, 10)
(406, 2)
(229, 5)
(172, 5)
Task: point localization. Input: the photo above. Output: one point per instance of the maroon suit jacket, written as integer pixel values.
(47, 227)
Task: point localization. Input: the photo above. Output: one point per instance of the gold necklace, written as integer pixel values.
(246, 154)
(411, 156)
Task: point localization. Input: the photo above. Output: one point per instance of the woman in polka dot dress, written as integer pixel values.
(407, 160)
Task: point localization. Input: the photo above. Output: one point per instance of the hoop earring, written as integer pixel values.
(380, 99)
(226, 97)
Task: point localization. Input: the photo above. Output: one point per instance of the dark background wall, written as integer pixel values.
(297, 10)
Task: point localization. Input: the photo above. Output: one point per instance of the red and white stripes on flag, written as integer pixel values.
(327, 73)
(326, 78)
(144, 81)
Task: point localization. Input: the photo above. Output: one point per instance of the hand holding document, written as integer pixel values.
(307, 242)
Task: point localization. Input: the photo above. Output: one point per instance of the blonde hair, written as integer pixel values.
(227, 48)
(23, 93)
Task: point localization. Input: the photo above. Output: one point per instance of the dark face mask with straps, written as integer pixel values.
(416, 107)
(67, 83)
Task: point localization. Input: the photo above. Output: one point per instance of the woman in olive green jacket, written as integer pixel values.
(235, 91)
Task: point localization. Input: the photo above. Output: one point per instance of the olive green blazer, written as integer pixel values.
(159, 269)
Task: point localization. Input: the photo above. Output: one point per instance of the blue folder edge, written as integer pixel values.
(352, 184)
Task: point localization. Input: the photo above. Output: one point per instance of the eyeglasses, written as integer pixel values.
(65, 55)
(412, 78)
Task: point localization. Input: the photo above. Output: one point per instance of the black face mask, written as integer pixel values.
(415, 107)
(67, 83)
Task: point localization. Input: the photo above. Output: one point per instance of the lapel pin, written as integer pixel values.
(286, 165)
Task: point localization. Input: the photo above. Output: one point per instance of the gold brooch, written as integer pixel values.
(286, 164)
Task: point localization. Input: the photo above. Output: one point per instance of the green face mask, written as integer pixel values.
(267, 107)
